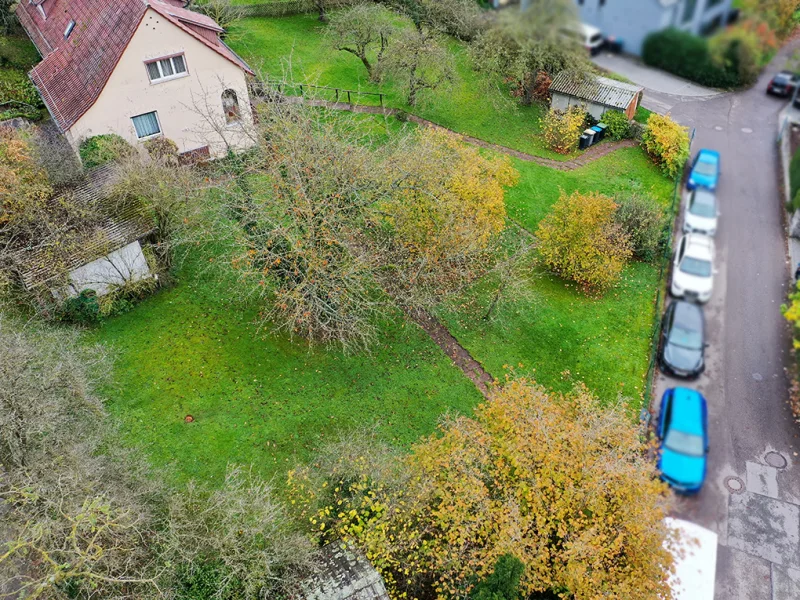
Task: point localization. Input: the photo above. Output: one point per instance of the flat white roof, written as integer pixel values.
(696, 571)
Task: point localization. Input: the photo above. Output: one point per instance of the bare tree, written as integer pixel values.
(521, 46)
(361, 30)
(239, 536)
(420, 61)
(224, 12)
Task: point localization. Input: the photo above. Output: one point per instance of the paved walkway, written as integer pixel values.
(662, 90)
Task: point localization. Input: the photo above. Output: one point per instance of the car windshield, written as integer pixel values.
(597, 37)
(782, 78)
(703, 205)
(684, 443)
(705, 168)
(686, 338)
(696, 267)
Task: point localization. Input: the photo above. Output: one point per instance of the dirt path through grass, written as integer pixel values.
(453, 349)
(589, 156)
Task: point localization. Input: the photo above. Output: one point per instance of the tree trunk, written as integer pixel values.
(367, 65)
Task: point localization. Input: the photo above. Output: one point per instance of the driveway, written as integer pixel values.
(663, 91)
(752, 495)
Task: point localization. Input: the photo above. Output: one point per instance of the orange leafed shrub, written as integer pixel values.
(562, 129)
(666, 142)
(581, 241)
(561, 482)
(24, 187)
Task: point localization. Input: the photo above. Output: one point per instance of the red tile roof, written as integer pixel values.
(74, 71)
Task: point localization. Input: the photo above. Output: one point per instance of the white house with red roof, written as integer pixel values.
(140, 69)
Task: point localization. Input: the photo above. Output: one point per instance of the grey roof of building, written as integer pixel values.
(344, 574)
(600, 90)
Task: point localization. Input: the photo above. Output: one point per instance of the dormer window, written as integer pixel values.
(68, 30)
(166, 68)
(40, 8)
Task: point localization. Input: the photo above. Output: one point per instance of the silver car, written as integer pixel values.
(701, 212)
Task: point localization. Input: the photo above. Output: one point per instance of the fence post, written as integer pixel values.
(337, 95)
(301, 90)
(348, 98)
(381, 99)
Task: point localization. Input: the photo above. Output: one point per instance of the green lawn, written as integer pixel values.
(17, 56)
(258, 398)
(294, 48)
(559, 335)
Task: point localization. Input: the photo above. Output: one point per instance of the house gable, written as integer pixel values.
(177, 100)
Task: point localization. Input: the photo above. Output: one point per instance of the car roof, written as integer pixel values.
(687, 410)
(689, 315)
(705, 154)
(701, 192)
(699, 245)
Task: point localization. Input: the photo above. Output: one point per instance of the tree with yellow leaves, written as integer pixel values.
(666, 142)
(559, 481)
(580, 240)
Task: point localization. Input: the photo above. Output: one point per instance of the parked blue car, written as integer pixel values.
(705, 170)
(683, 434)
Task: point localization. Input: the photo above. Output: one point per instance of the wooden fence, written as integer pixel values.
(267, 89)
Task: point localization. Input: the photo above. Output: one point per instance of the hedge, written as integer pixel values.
(794, 179)
(687, 56)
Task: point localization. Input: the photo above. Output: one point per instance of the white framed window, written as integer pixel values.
(146, 125)
(166, 68)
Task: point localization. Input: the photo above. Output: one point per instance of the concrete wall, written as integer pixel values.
(129, 92)
(125, 265)
(633, 20)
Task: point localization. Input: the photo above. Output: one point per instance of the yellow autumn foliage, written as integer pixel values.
(579, 240)
(23, 185)
(562, 128)
(447, 199)
(559, 481)
(666, 142)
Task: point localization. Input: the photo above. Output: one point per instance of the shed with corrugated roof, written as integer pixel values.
(596, 95)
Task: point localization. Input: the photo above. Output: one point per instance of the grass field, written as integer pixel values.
(604, 342)
(257, 398)
(294, 48)
(17, 56)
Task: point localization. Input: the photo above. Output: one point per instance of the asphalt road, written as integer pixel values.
(756, 514)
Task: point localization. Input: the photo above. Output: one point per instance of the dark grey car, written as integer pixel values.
(683, 340)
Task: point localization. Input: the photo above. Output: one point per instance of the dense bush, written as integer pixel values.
(739, 51)
(667, 143)
(562, 129)
(619, 127)
(100, 149)
(162, 149)
(83, 308)
(794, 179)
(688, 56)
(503, 583)
(643, 221)
(581, 241)
(18, 96)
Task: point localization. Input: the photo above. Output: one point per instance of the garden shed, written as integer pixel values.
(344, 574)
(108, 255)
(596, 95)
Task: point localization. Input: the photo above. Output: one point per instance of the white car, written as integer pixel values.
(701, 212)
(695, 554)
(693, 268)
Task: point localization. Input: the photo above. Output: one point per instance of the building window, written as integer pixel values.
(68, 30)
(166, 68)
(713, 3)
(688, 10)
(602, 3)
(40, 8)
(230, 106)
(146, 125)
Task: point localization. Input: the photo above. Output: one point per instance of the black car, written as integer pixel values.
(783, 84)
(683, 340)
